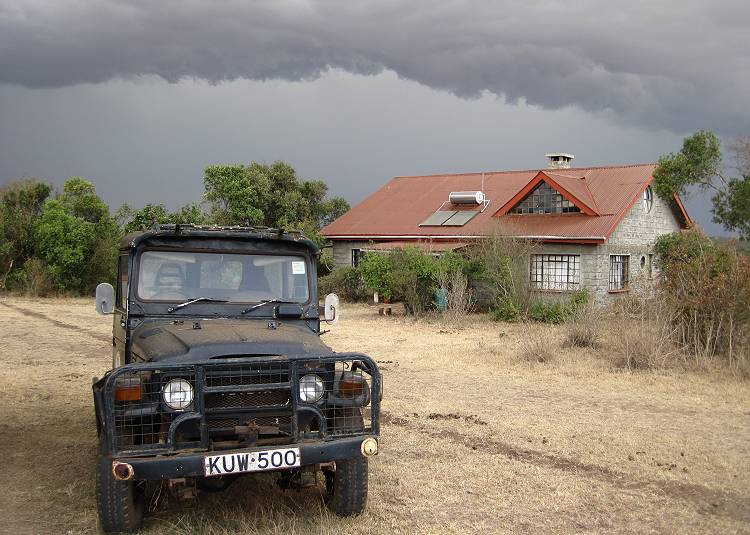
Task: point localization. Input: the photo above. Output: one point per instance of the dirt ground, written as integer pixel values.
(474, 439)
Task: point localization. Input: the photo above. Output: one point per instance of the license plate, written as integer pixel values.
(253, 461)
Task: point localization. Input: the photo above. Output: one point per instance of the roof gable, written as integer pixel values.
(572, 188)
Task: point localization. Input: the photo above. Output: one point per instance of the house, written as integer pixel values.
(593, 227)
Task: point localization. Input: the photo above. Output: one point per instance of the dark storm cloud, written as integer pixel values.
(678, 64)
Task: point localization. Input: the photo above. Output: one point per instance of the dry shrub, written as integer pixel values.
(535, 348)
(503, 262)
(646, 341)
(706, 287)
(583, 329)
(458, 294)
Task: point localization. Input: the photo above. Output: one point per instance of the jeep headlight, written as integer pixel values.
(311, 388)
(177, 394)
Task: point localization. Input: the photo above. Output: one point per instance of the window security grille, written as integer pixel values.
(555, 272)
(619, 271)
(357, 256)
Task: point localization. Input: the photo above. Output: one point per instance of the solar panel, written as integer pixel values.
(438, 218)
(459, 219)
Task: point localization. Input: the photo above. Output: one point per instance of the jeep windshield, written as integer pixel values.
(179, 276)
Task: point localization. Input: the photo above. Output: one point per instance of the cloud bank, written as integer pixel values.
(677, 65)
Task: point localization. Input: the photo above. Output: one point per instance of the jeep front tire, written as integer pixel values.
(346, 488)
(120, 503)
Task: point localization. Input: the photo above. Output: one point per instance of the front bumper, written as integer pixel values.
(191, 464)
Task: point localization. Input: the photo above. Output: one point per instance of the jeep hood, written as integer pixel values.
(196, 340)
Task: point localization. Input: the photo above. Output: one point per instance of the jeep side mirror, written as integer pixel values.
(105, 298)
(331, 309)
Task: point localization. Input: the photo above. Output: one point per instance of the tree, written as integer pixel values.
(133, 220)
(65, 242)
(77, 238)
(190, 214)
(732, 205)
(21, 204)
(235, 194)
(80, 200)
(269, 195)
(699, 163)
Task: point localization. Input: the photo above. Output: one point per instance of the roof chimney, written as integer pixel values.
(559, 160)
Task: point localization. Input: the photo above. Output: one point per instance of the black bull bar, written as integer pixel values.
(235, 377)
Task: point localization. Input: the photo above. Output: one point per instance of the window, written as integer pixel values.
(357, 256)
(122, 283)
(545, 200)
(648, 199)
(556, 272)
(619, 271)
(234, 277)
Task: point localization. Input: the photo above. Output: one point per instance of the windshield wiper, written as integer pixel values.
(195, 300)
(263, 303)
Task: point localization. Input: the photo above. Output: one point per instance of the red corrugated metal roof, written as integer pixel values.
(396, 210)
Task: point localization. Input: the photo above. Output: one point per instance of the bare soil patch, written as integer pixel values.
(475, 439)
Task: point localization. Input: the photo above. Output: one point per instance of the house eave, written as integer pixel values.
(359, 237)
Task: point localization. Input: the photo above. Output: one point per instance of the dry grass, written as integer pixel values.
(474, 440)
(535, 347)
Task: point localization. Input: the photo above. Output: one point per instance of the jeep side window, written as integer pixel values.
(121, 300)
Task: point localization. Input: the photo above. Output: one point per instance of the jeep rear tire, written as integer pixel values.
(120, 503)
(346, 488)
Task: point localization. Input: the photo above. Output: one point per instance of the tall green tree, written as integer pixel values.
(271, 195)
(77, 238)
(21, 204)
(235, 194)
(65, 242)
(699, 163)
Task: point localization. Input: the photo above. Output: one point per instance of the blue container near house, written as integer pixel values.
(441, 300)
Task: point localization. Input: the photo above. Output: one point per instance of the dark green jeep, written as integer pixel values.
(218, 370)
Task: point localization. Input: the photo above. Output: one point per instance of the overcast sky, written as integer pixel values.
(139, 96)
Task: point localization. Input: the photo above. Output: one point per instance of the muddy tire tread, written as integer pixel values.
(117, 501)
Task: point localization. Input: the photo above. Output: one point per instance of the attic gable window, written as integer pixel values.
(545, 199)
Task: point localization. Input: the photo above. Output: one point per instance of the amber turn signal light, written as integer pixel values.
(128, 393)
(351, 386)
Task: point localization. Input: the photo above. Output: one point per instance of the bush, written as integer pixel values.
(460, 299)
(500, 264)
(583, 329)
(377, 273)
(706, 288)
(508, 310)
(544, 312)
(346, 282)
(644, 340)
(33, 278)
(559, 311)
(413, 278)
